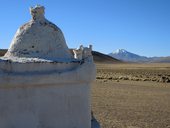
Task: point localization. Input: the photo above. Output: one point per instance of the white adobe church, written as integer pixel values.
(42, 84)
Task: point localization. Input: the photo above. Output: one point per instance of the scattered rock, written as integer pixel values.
(105, 80)
(117, 80)
(164, 79)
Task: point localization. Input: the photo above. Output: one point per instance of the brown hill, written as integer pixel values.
(103, 58)
(97, 56)
(2, 51)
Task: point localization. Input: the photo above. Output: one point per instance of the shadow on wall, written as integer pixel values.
(94, 122)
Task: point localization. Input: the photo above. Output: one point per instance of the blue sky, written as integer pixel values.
(139, 26)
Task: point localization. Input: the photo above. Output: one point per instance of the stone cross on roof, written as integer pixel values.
(37, 12)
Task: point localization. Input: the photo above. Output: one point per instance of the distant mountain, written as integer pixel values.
(124, 55)
(161, 59)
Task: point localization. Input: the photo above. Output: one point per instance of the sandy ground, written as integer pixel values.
(129, 103)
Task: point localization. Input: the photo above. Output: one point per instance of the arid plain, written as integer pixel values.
(132, 95)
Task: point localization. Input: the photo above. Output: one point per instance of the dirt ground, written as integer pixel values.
(130, 103)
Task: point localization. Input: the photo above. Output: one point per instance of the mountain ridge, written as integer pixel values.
(124, 55)
(97, 56)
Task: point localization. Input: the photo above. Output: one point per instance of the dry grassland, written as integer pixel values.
(135, 72)
(129, 103)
